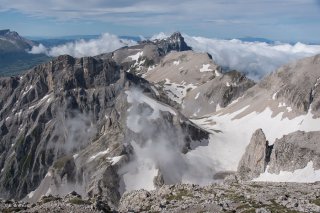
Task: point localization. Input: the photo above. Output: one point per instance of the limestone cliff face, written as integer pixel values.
(37, 108)
(255, 159)
(289, 153)
(296, 85)
(295, 151)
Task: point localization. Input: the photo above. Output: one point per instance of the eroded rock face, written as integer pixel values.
(297, 85)
(289, 153)
(42, 105)
(295, 151)
(255, 159)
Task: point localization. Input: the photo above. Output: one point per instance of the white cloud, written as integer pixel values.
(160, 35)
(81, 48)
(38, 49)
(255, 58)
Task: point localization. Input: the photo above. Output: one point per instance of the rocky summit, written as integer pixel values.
(158, 127)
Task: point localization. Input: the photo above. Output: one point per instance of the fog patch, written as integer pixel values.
(75, 130)
(158, 146)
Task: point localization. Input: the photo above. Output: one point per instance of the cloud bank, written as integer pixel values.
(256, 59)
(81, 48)
(253, 58)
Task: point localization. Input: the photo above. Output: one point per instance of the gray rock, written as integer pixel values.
(233, 197)
(295, 151)
(255, 159)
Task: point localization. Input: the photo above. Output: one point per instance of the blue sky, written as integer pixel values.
(285, 20)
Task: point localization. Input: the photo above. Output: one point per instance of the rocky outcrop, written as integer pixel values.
(299, 85)
(295, 151)
(289, 153)
(256, 157)
(173, 43)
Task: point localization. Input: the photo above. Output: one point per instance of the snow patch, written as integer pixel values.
(47, 98)
(18, 114)
(115, 160)
(282, 104)
(177, 92)
(136, 56)
(30, 195)
(27, 89)
(99, 154)
(151, 68)
(231, 136)
(305, 175)
(274, 96)
(218, 108)
(205, 68)
(176, 63)
(197, 96)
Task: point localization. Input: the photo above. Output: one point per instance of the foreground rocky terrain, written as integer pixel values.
(231, 196)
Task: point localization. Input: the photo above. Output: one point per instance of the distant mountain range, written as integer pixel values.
(13, 53)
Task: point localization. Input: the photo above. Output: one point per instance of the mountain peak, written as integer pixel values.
(176, 35)
(174, 42)
(9, 34)
(13, 42)
(4, 32)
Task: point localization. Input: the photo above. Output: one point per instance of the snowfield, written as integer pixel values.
(305, 175)
(230, 136)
